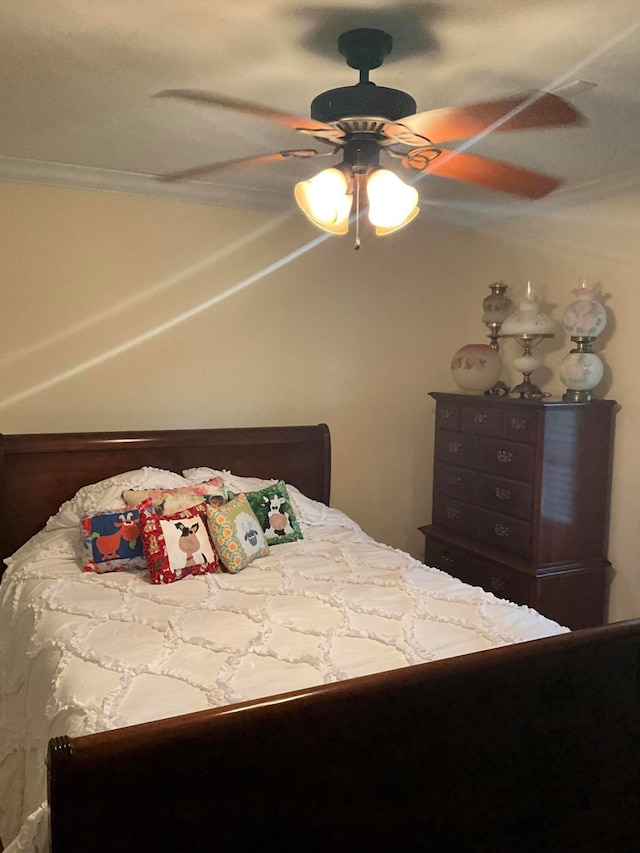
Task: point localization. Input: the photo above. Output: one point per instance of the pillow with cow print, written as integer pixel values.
(111, 541)
(177, 545)
(272, 506)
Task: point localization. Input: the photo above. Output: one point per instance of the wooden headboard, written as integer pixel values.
(38, 472)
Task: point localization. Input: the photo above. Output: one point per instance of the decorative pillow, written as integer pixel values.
(170, 501)
(272, 506)
(177, 545)
(111, 541)
(236, 533)
(106, 495)
(306, 510)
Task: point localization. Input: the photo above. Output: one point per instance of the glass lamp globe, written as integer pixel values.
(529, 326)
(585, 317)
(496, 308)
(476, 367)
(580, 372)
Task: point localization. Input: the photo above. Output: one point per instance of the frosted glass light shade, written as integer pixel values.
(528, 319)
(586, 316)
(325, 200)
(581, 371)
(476, 367)
(527, 323)
(497, 305)
(392, 203)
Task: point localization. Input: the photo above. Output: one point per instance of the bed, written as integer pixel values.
(349, 696)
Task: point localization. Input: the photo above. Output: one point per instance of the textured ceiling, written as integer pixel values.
(78, 76)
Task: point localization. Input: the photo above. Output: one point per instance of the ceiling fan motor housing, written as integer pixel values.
(363, 99)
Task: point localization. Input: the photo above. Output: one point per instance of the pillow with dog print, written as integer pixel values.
(236, 533)
(177, 545)
(272, 506)
(111, 541)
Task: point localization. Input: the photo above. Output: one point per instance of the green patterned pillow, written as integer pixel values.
(272, 506)
(236, 533)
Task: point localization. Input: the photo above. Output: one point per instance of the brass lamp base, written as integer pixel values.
(526, 390)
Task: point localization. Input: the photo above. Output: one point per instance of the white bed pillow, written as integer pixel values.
(232, 481)
(308, 511)
(106, 494)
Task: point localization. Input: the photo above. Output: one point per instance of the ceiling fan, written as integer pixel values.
(364, 122)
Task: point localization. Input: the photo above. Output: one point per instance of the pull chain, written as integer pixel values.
(356, 245)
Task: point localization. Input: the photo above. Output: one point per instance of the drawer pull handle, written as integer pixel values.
(446, 561)
(498, 584)
(501, 530)
(518, 424)
(480, 418)
(454, 480)
(452, 512)
(447, 413)
(504, 456)
(455, 446)
(503, 494)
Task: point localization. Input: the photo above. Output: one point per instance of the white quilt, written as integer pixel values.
(80, 652)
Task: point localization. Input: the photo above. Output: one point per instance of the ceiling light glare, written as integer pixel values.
(391, 202)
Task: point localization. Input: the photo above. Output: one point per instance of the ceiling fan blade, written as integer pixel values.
(225, 165)
(525, 112)
(305, 125)
(491, 174)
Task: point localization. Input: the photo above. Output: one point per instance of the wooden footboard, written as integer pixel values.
(534, 747)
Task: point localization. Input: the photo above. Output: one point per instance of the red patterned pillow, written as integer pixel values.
(170, 501)
(177, 545)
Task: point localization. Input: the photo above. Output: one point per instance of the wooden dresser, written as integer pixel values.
(521, 494)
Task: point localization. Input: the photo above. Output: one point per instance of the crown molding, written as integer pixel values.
(463, 214)
(109, 180)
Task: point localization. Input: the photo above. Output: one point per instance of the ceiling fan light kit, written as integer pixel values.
(365, 121)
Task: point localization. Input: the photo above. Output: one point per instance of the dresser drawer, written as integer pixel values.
(503, 582)
(454, 561)
(506, 496)
(483, 420)
(456, 448)
(507, 458)
(520, 425)
(447, 416)
(505, 532)
(459, 483)
(457, 515)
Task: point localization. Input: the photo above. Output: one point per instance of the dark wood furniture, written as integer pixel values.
(530, 747)
(38, 472)
(521, 501)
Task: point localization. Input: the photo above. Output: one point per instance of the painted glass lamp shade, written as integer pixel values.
(476, 367)
(496, 308)
(580, 372)
(528, 319)
(528, 325)
(584, 318)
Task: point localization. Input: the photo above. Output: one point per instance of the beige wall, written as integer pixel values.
(125, 312)
(110, 322)
(599, 241)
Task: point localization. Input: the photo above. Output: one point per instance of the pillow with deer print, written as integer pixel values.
(272, 505)
(177, 545)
